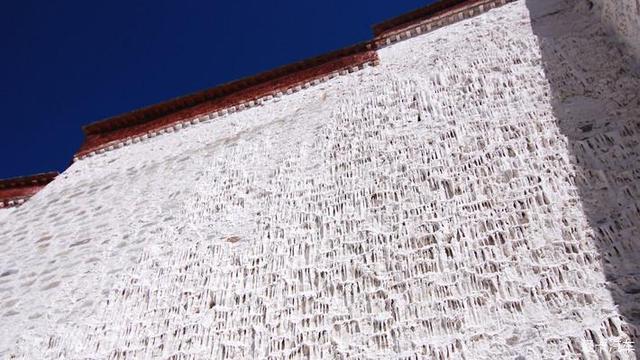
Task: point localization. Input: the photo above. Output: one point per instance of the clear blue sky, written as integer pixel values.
(65, 64)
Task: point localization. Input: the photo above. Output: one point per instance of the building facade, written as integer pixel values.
(463, 186)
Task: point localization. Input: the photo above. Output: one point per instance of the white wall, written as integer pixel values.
(424, 207)
(623, 18)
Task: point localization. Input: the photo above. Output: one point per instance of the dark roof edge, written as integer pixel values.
(430, 18)
(173, 114)
(237, 95)
(15, 191)
(146, 122)
(420, 14)
(153, 111)
(110, 133)
(29, 180)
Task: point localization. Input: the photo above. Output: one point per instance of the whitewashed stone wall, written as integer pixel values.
(436, 206)
(623, 18)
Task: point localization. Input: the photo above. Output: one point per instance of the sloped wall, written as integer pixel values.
(594, 97)
(623, 18)
(426, 207)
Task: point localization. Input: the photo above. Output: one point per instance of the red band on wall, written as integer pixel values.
(113, 132)
(16, 190)
(103, 133)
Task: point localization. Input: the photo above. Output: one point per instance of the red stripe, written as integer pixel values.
(101, 134)
(420, 15)
(108, 132)
(23, 187)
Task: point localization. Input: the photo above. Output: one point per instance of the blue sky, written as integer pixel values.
(65, 64)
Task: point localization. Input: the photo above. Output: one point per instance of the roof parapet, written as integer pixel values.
(172, 115)
(226, 98)
(15, 191)
(430, 18)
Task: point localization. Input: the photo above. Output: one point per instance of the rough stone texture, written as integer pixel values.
(475, 196)
(623, 18)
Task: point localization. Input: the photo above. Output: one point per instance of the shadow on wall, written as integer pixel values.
(596, 101)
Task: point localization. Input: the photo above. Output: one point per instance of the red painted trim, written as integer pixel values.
(114, 131)
(16, 190)
(406, 20)
(103, 133)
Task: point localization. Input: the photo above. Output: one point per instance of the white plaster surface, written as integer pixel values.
(450, 203)
(622, 17)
